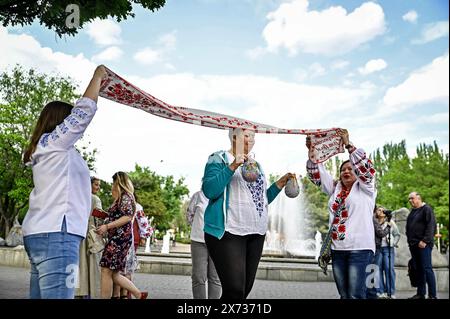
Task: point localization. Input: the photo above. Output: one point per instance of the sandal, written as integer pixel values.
(144, 295)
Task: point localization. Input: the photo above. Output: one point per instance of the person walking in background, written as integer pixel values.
(119, 230)
(350, 242)
(420, 230)
(89, 269)
(141, 231)
(387, 237)
(236, 217)
(60, 202)
(202, 265)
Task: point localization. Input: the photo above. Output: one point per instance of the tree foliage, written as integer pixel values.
(23, 94)
(54, 14)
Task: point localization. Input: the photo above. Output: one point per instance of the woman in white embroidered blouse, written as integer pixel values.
(351, 204)
(60, 202)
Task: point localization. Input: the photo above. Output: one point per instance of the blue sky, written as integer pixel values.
(379, 69)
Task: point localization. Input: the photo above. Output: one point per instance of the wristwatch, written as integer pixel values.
(349, 146)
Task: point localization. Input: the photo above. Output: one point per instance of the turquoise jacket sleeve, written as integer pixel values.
(216, 177)
(272, 192)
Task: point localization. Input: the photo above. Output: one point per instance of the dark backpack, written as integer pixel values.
(412, 272)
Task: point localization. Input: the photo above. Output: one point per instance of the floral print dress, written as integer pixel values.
(120, 238)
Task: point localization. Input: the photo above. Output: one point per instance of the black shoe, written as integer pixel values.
(417, 297)
(432, 297)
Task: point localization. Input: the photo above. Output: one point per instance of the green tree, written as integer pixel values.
(23, 94)
(53, 15)
(394, 175)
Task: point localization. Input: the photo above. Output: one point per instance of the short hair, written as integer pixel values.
(234, 132)
(417, 195)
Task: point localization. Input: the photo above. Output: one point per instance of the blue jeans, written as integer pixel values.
(349, 271)
(425, 273)
(387, 271)
(54, 261)
(373, 280)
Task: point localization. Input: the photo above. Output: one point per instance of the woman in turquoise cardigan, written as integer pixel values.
(236, 217)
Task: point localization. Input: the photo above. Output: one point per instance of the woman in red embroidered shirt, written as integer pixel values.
(350, 241)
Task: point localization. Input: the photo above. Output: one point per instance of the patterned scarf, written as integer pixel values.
(257, 190)
(324, 142)
(336, 231)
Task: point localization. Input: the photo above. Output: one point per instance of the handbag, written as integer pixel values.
(96, 212)
(95, 241)
(412, 272)
(325, 253)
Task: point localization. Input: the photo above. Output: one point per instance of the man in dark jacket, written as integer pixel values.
(420, 230)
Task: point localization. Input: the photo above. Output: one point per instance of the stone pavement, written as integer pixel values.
(14, 284)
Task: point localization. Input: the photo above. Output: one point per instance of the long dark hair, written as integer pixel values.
(51, 115)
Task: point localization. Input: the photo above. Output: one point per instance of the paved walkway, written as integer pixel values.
(14, 284)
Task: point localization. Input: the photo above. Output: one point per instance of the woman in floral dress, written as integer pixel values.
(119, 231)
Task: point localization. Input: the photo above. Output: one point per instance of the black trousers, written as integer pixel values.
(236, 259)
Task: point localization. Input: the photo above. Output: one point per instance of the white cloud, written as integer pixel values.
(428, 84)
(339, 64)
(147, 56)
(104, 32)
(25, 50)
(169, 66)
(438, 118)
(300, 74)
(313, 71)
(255, 53)
(373, 66)
(168, 40)
(367, 85)
(389, 40)
(410, 16)
(431, 32)
(110, 54)
(331, 31)
(316, 70)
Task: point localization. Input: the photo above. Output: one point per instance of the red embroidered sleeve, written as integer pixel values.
(362, 166)
(145, 230)
(312, 170)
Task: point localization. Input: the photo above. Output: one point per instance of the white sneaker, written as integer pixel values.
(393, 297)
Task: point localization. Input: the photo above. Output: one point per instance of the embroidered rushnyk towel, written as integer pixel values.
(324, 142)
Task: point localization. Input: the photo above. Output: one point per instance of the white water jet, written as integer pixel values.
(286, 233)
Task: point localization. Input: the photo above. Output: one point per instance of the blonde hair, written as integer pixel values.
(122, 180)
(238, 131)
(234, 132)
